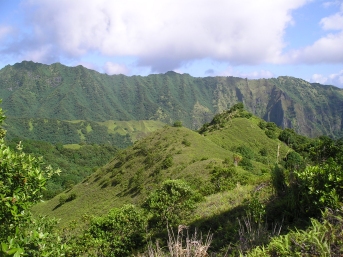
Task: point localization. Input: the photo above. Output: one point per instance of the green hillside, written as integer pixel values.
(75, 161)
(257, 189)
(32, 90)
(172, 153)
(118, 133)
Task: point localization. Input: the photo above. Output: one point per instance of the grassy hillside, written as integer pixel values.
(118, 133)
(75, 161)
(172, 153)
(33, 90)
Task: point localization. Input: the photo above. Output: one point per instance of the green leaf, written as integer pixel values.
(4, 247)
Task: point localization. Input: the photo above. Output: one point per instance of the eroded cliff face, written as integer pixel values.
(310, 109)
(31, 90)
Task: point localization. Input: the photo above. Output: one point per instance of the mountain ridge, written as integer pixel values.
(56, 91)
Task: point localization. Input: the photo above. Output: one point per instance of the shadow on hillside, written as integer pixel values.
(57, 206)
(223, 226)
(132, 192)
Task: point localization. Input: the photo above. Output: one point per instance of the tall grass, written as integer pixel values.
(182, 245)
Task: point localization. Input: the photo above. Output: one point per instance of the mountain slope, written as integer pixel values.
(170, 153)
(32, 90)
(118, 133)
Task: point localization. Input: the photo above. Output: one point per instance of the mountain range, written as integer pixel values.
(36, 91)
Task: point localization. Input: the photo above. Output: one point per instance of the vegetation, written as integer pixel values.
(76, 162)
(168, 204)
(121, 134)
(258, 193)
(56, 93)
(21, 183)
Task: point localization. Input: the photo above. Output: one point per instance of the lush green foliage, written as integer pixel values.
(322, 238)
(119, 233)
(76, 164)
(303, 183)
(319, 187)
(21, 183)
(169, 203)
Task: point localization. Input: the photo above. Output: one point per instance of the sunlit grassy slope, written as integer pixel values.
(118, 133)
(168, 153)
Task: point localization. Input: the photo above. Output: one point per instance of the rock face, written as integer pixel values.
(32, 90)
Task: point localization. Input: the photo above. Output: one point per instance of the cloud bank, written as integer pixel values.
(327, 49)
(161, 35)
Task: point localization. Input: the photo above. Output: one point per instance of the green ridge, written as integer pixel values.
(33, 90)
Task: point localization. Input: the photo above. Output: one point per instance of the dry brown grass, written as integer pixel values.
(182, 245)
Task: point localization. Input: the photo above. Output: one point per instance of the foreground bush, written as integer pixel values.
(120, 233)
(323, 238)
(22, 180)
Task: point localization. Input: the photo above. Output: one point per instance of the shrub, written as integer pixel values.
(72, 197)
(246, 151)
(319, 187)
(22, 180)
(172, 200)
(271, 134)
(63, 199)
(186, 142)
(122, 230)
(177, 124)
(320, 239)
(263, 151)
(271, 126)
(167, 162)
(246, 164)
(223, 178)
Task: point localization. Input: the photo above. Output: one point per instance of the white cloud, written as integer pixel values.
(331, 79)
(327, 49)
(41, 54)
(230, 71)
(164, 34)
(331, 3)
(319, 78)
(334, 22)
(114, 68)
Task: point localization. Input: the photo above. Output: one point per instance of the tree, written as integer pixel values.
(293, 161)
(168, 203)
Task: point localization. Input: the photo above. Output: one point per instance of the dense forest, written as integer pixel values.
(237, 186)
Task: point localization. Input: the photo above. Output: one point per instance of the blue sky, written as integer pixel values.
(248, 38)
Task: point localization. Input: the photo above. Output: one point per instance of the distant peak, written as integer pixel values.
(171, 73)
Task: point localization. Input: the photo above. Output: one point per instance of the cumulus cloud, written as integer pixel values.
(331, 79)
(319, 78)
(114, 68)
(230, 71)
(327, 49)
(162, 34)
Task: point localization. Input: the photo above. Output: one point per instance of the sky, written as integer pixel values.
(247, 38)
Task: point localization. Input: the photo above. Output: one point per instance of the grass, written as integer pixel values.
(117, 183)
(72, 146)
(181, 245)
